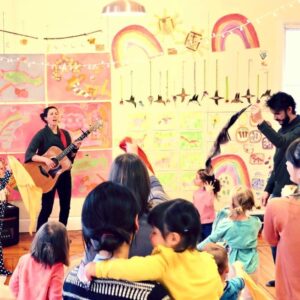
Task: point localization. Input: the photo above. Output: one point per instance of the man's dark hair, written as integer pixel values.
(281, 101)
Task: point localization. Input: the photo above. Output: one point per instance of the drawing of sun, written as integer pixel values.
(168, 27)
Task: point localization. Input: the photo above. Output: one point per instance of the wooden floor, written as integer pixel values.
(12, 254)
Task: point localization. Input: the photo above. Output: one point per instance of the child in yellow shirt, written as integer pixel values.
(175, 261)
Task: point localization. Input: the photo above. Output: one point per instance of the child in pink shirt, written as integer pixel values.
(39, 275)
(204, 198)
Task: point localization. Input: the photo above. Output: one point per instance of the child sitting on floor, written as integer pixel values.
(39, 275)
(239, 231)
(174, 262)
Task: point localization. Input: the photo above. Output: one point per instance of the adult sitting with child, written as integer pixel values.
(281, 223)
(109, 223)
(175, 262)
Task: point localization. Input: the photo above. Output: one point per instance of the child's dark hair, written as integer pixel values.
(51, 244)
(108, 217)
(293, 153)
(178, 216)
(281, 101)
(220, 255)
(210, 178)
(44, 114)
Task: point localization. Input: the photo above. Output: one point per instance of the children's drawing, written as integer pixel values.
(18, 124)
(22, 77)
(90, 168)
(191, 160)
(165, 160)
(233, 24)
(191, 120)
(79, 77)
(191, 139)
(79, 116)
(134, 36)
(165, 140)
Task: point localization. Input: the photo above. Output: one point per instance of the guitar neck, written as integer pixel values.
(71, 147)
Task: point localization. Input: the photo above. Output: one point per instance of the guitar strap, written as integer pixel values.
(63, 138)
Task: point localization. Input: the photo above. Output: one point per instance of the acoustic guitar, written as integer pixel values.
(45, 177)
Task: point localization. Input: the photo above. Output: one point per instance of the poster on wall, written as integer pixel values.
(22, 77)
(90, 169)
(78, 117)
(79, 77)
(18, 124)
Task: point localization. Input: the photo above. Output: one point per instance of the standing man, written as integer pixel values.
(283, 108)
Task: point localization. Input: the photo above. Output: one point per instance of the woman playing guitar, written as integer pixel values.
(51, 135)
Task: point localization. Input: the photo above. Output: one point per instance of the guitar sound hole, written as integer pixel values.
(43, 171)
(55, 161)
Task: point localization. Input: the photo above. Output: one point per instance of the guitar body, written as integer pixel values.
(42, 175)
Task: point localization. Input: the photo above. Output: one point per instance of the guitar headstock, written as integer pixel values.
(96, 125)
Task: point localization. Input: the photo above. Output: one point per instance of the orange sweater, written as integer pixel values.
(281, 228)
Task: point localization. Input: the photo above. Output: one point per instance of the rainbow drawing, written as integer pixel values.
(233, 166)
(237, 24)
(134, 35)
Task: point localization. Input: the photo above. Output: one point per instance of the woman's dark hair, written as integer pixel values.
(281, 101)
(44, 114)
(51, 244)
(211, 179)
(130, 171)
(293, 153)
(178, 216)
(108, 217)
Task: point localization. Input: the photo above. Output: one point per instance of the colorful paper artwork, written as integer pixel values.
(190, 139)
(165, 140)
(165, 160)
(79, 116)
(18, 124)
(231, 170)
(187, 180)
(134, 36)
(164, 121)
(233, 24)
(191, 160)
(168, 180)
(79, 77)
(22, 77)
(191, 120)
(90, 169)
(138, 121)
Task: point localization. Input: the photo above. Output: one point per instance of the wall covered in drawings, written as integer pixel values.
(170, 79)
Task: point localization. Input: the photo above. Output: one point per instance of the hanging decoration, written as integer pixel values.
(167, 87)
(121, 90)
(159, 96)
(237, 94)
(248, 95)
(150, 97)
(131, 99)
(267, 94)
(205, 92)
(183, 94)
(195, 96)
(216, 97)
